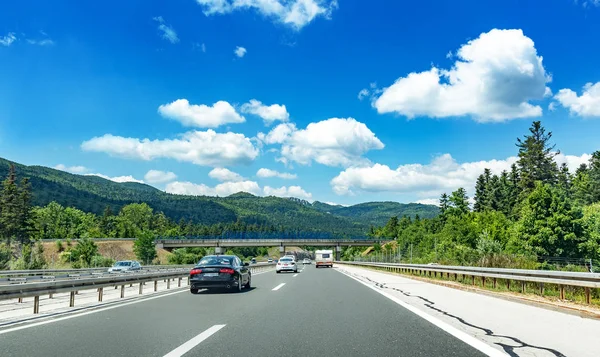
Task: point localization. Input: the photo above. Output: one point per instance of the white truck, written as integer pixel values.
(324, 258)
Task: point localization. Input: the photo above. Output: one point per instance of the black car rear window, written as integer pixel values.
(216, 261)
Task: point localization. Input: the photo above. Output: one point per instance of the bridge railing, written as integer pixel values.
(73, 286)
(559, 278)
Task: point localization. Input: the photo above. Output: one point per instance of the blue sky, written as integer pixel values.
(337, 101)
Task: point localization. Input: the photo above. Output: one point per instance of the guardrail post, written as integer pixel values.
(168, 283)
(72, 299)
(494, 283)
(523, 287)
(562, 292)
(508, 284)
(141, 288)
(542, 289)
(188, 278)
(473, 279)
(155, 285)
(483, 281)
(50, 296)
(179, 282)
(122, 291)
(100, 293)
(36, 304)
(588, 295)
(20, 300)
(455, 277)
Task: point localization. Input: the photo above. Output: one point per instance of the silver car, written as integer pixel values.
(125, 265)
(286, 264)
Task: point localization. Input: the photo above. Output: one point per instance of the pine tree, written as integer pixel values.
(594, 177)
(505, 193)
(581, 186)
(536, 159)
(9, 216)
(444, 203)
(494, 193)
(564, 179)
(480, 194)
(460, 201)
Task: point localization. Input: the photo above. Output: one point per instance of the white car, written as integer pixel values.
(125, 265)
(286, 264)
(306, 261)
(270, 260)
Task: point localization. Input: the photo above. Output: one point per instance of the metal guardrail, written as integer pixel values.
(8, 273)
(99, 282)
(560, 278)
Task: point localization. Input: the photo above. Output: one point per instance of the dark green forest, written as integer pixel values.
(537, 215)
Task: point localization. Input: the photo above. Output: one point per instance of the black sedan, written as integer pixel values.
(218, 272)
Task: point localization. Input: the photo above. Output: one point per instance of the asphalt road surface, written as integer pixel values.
(317, 312)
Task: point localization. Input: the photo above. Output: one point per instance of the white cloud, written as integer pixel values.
(493, 80)
(585, 105)
(206, 148)
(203, 47)
(44, 42)
(223, 174)
(8, 39)
(168, 33)
(429, 201)
(363, 93)
(156, 176)
(201, 116)
(72, 169)
(443, 174)
(291, 191)
(293, 13)
(269, 113)
(119, 179)
(240, 51)
(265, 173)
(222, 189)
(331, 142)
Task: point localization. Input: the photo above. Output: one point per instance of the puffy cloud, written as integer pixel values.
(363, 93)
(291, 191)
(223, 174)
(201, 116)
(72, 169)
(331, 142)
(8, 39)
(265, 173)
(168, 33)
(156, 176)
(269, 113)
(206, 148)
(240, 51)
(585, 105)
(119, 179)
(443, 174)
(493, 80)
(293, 13)
(222, 189)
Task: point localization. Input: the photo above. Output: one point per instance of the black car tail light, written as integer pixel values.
(227, 271)
(196, 271)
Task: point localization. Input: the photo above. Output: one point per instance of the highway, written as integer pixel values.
(317, 312)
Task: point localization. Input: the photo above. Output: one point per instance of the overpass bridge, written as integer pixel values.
(218, 244)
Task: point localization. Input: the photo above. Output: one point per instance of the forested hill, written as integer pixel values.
(378, 213)
(94, 194)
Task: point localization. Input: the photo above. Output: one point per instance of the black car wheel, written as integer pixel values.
(249, 281)
(194, 291)
(240, 285)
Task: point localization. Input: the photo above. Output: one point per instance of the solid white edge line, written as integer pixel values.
(195, 341)
(463, 336)
(87, 312)
(278, 287)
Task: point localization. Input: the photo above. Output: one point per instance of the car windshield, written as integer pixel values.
(325, 255)
(215, 260)
(122, 264)
(285, 260)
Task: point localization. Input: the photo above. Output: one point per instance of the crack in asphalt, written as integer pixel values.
(428, 303)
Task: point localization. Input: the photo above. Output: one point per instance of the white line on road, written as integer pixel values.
(463, 336)
(295, 275)
(181, 350)
(278, 287)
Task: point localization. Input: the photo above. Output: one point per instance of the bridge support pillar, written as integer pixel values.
(281, 251)
(338, 252)
(218, 250)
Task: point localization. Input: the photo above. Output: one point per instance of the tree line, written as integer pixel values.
(536, 214)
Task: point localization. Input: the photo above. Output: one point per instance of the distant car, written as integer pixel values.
(306, 261)
(253, 261)
(290, 256)
(218, 272)
(286, 264)
(125, 265)
(270, 260)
